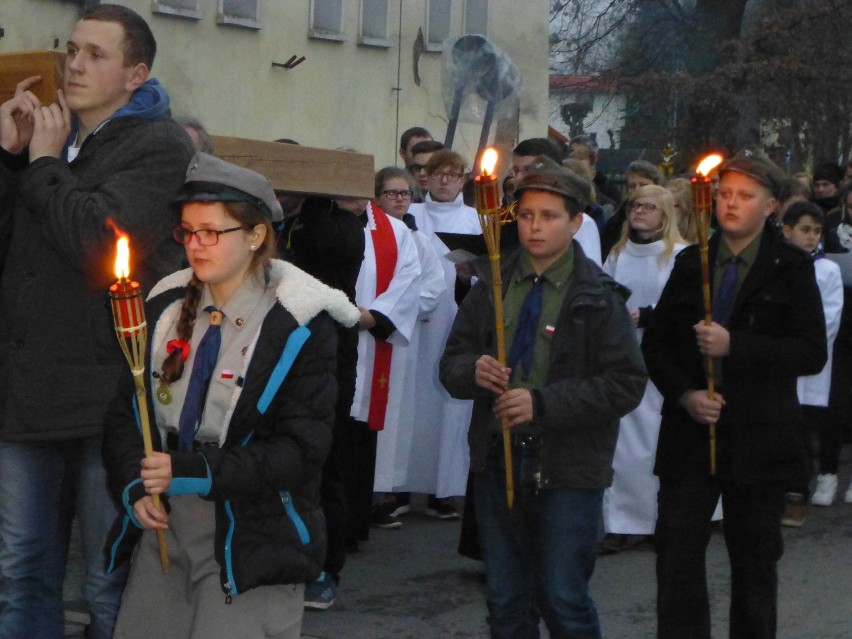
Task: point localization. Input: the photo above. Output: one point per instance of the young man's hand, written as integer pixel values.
(491, 374)
(51, 128)
(16, 121)
(701, 408)
(514, 407)
(713, 340)
(149, 516)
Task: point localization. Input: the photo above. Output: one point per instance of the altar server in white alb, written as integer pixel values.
(394, 188)
(388, 294)
(440, 456)
(803, 224)
(642, 261)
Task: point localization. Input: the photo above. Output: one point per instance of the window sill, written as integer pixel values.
(165, 9)
(235, 21)
(380, 43)
(327, 35)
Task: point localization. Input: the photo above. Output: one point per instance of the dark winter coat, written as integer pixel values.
(777, 334)
(265, 478)
(596, 375)
(59, 357)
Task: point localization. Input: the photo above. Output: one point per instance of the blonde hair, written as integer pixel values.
(681, 191)
(670, 233)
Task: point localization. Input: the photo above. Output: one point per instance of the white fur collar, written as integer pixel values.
(302, 295)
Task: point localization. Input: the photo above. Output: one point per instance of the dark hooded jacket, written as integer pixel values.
(59, 357)
(265, 478)
(596, 375)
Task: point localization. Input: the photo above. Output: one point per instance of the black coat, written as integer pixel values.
(777, 334)
(596, 375)
(265, 478)
(59, 359)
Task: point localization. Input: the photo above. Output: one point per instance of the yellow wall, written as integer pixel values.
(341, 95)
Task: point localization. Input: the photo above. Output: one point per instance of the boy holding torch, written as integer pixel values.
(573, 370)
(767, 330)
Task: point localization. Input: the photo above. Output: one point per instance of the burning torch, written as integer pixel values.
(491, 218)
(131, 329)
(703, 202)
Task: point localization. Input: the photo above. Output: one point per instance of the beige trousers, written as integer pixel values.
(188, 602)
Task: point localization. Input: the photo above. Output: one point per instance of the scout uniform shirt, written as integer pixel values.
(244, 313)
(555, 282)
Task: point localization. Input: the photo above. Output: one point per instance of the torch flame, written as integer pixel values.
(708, 164)
(489, 161)
(122, 258)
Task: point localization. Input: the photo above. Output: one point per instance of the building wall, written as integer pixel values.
(343, 94)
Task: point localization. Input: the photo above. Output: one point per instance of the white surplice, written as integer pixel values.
(440, 457)
(630, 504)
(400, 303)
(813, 389)
(393, 446)
(589, 238)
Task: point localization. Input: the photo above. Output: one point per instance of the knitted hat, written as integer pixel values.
(829, 172)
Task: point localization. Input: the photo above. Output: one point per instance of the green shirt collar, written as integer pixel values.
(559, 273)
(746, 256)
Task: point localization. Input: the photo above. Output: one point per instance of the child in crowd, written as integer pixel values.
(803, 227)
(440, 465)
(639, 173)
(574, 370)
(768, 329)
(641, 260)
(394, 188)
(242, 393)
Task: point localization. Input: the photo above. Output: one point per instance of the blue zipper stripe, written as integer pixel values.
(114, 550)
(229, 538)
(125, 500)
(304, 535)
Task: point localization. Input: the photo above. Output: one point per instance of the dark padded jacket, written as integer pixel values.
(59, 358)
(596, 375)
(777, 334)
(265, 478)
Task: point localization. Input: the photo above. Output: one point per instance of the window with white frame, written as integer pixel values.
(326, 20)
(374, 23)
(180, 8)
(438, 23)
(240, 13)
(476, 17)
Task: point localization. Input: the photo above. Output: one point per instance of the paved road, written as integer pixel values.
(411, 584)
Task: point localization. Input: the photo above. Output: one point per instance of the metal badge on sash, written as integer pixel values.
(164, 394)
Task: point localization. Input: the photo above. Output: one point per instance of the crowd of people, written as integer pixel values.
(312, 362)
